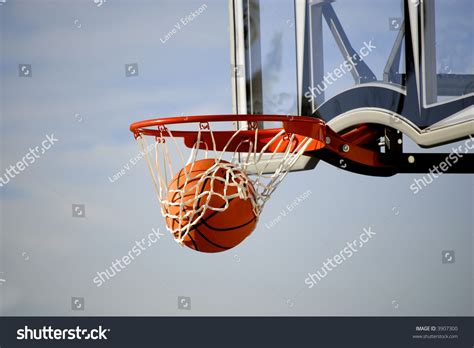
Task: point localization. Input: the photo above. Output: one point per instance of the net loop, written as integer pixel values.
(204, 125)
(160, 139)
(252, 125)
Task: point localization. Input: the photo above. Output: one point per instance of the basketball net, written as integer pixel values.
(245, 167)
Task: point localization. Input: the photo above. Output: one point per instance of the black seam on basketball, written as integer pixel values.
(228, 228)
(209, 241)
(202, 189)
(204, 220)
(194, 243)
(179, 187)
(178, 176)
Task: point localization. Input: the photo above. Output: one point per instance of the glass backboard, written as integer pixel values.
(407, 65)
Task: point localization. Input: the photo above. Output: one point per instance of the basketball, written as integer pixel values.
(217, 200)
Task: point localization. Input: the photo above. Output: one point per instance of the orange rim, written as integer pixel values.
(303, 127)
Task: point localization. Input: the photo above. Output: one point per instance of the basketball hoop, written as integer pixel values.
(241, 156)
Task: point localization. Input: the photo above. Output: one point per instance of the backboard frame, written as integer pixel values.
(407, 108)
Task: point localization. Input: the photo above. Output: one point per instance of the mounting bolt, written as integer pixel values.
(345, 148)
(411, 159)
(328, 140)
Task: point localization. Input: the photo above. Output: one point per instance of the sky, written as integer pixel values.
(77, 89)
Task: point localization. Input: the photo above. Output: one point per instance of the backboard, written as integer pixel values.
(406, 66)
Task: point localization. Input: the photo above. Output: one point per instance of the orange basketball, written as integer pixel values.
(196, 194)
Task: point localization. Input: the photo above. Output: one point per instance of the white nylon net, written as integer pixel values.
(245, 172)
